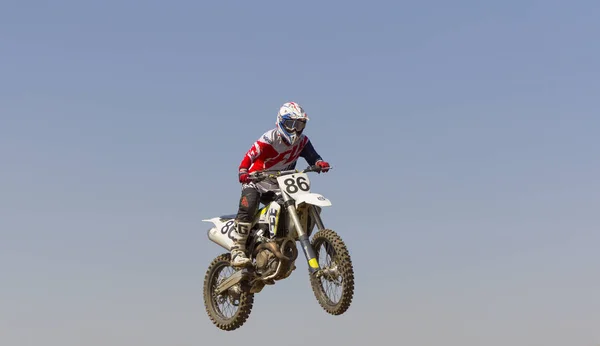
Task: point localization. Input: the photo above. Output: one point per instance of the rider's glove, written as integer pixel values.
(243, 176)
(323, 165)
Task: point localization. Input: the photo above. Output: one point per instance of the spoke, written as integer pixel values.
(224, 303)
(331, 287)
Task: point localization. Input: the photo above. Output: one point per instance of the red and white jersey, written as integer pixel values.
(271, 152)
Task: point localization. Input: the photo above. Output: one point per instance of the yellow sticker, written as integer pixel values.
(313, 263)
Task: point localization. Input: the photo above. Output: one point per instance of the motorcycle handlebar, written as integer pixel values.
(262, 175)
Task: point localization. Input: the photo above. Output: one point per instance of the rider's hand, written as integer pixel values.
(323, 165)
(243, 176)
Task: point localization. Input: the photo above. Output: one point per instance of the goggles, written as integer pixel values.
(294, 124)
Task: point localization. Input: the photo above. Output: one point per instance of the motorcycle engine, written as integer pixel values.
(266, 262)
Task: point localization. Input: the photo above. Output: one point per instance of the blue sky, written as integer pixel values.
(463, 135)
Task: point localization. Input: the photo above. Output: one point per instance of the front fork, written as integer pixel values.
(309, 252)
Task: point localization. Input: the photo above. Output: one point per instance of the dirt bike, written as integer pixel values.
(287, 217)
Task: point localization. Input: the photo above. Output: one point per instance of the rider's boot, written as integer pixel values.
(238, 251)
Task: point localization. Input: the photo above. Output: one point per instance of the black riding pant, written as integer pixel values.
(249, 202)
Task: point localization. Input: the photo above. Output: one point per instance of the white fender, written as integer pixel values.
(223, 231)
(214, 220)
(312, 198)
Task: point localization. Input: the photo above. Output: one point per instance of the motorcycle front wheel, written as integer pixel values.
(229, 310)
(334, 289)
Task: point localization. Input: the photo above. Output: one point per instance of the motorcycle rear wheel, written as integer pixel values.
(225, 318)
(328, 245)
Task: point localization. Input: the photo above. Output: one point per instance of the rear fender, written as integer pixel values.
(223, 232)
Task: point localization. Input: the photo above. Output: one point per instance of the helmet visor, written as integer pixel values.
(296, 125)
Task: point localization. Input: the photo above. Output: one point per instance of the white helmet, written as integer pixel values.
(291, 121)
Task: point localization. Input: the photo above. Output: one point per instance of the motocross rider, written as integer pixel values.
(277, 149)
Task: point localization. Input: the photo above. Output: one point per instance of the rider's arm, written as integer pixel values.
(249, 157)
(261, 149)
(310, 154)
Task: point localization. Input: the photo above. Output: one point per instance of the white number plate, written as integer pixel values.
(294, 184)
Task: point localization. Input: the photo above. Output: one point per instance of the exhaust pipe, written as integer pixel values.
(273, 248)
(219, 238)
